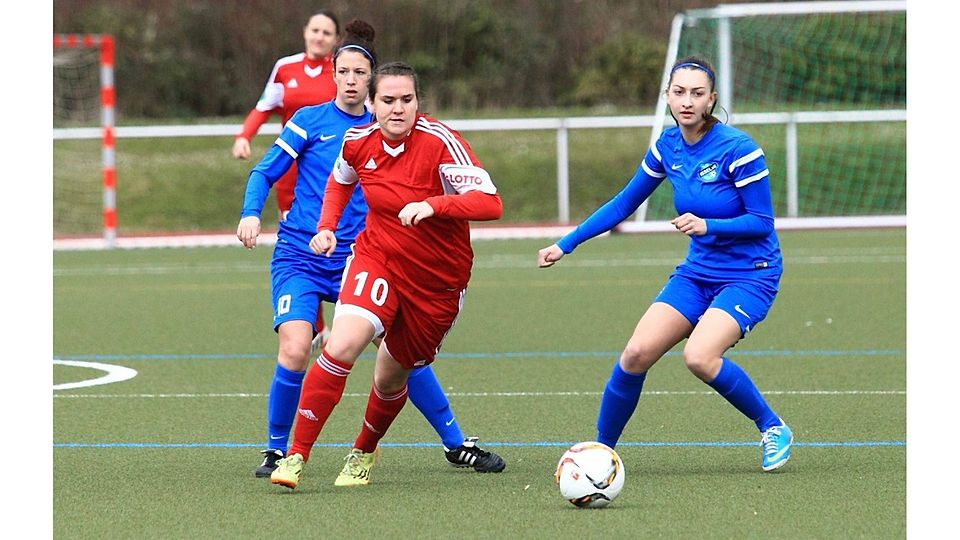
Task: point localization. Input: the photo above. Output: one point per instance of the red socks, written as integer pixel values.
(322, 388)
(381, 412)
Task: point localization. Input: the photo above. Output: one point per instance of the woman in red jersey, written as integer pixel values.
(296, 81)
(410, 266)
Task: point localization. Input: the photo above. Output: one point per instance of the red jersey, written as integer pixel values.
(434, 164)
(295, 82)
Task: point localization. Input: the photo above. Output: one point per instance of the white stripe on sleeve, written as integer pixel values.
(457, 152)
(286, 147)
(650, 171)
(746, 159)
(296, 129)
(759, 176)
(656, 153)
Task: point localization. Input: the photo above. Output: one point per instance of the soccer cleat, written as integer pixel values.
(775, 444)
(270, 459)
(288, 471)
(470, 455)
(356, 470)
(319, 341)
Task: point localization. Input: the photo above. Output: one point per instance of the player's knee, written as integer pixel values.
(389, 385)
(701, 362)
(344, 349)
(638, 357)
(294, 356)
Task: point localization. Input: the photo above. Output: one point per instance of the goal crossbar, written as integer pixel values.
(722, 14)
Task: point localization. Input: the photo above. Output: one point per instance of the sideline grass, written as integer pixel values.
(170, 452)
(190, 184)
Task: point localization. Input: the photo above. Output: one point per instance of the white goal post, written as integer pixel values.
(725, 54)
(794, 132)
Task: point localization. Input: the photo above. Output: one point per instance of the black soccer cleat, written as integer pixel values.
(270, 459)
(470, 455)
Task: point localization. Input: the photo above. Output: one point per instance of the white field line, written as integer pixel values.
(505, 394)
(506, 262)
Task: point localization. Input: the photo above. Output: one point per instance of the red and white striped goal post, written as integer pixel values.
(104, 43)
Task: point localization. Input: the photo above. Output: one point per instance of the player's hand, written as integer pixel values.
(248, 230)
(414, 213)
(690, 224)
(241, 148)
(323, 243)
(549, 255)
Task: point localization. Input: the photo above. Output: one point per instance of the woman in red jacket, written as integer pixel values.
(296, 81)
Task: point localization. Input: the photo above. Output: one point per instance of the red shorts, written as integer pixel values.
(413, 325)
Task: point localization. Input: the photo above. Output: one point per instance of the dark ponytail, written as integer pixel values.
(358, 36)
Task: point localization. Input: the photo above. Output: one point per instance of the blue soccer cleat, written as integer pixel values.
(775, 445)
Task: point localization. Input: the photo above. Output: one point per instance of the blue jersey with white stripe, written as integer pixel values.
(722, 178)
(312, 137)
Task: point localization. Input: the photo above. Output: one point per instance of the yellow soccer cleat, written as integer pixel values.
(356, 470)
(288, 471)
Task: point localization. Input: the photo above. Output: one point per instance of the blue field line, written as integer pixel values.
(534, 444)
(494, 355)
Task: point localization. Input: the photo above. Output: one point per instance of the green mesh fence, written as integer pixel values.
(818, 63)
(78, 165)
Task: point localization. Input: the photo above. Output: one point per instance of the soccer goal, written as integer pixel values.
(821, 86)
(83, 100)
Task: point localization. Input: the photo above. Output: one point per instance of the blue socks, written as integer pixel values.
(424, 390)
(619, 400)
(735, 385)
(282, 406)
(622, 393)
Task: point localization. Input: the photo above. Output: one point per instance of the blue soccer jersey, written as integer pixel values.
(312, 137)
(723, 179)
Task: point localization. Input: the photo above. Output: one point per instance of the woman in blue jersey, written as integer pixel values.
(731, 275)
(301, 279)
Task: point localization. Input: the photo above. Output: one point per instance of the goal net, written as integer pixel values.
(83, 110)
(821, 86)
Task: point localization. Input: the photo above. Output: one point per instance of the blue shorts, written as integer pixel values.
(300, 281)
(748, 301)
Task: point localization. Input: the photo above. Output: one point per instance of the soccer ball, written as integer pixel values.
(590, 475)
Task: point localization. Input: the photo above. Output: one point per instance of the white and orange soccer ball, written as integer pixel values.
(590, 475)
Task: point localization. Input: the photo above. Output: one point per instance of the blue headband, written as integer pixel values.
(696, 66)
(359, 48)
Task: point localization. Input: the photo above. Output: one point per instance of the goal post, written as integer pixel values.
(81, 97)
(821, 87)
